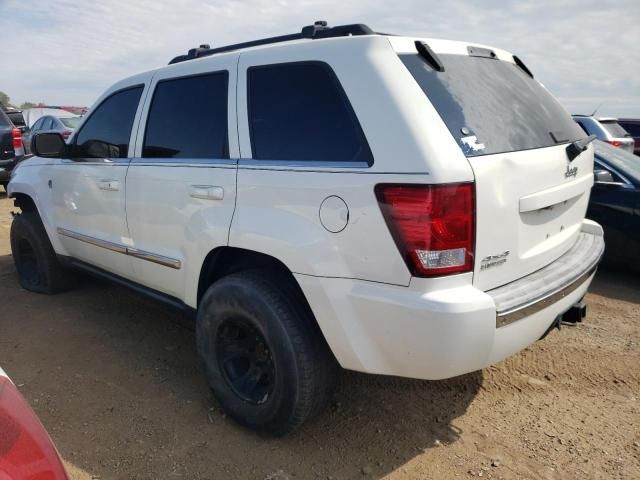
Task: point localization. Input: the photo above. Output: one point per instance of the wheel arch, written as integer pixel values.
(26, 198)
(223, 261)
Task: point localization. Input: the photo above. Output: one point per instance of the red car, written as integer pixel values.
(26, 451)
(632, 125)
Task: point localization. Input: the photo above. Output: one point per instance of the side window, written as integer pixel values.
(299, 111)
(188, 118)
(47, 123)
(106, 132)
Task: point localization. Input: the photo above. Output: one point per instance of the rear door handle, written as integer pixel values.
(206, 192)
(109, 185)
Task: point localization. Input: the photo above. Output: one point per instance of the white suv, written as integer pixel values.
(392, 205)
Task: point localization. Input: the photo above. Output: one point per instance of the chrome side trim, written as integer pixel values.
(154, 258)
(522, 311)
(115, 247)
(249, 162)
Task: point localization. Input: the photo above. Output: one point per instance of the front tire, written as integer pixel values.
(265, 359)
(39, 269)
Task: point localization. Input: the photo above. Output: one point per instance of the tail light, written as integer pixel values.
(615, 143)
(26, 452)
(66, 134)
(16, 136)
(432, 225)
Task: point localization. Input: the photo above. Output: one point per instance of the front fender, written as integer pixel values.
(30, 178)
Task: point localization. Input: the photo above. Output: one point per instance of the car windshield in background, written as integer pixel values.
(622, 160)
(614, 128)
(491, 106)
(71, 122)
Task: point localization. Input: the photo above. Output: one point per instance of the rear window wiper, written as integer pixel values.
(429, 56)
(576, 148)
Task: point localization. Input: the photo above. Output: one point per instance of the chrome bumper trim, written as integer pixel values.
(540, 289)
(510, 316)
(115, 247)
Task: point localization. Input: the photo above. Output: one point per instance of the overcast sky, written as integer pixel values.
(66, 52)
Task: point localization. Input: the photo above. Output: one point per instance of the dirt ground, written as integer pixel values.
(114, 378)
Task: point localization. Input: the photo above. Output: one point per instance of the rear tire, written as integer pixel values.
(265, 358)
(39, 269)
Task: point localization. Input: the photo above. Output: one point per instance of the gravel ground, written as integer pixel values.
(114, 378)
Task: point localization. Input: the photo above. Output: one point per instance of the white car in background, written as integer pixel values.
(405, 206)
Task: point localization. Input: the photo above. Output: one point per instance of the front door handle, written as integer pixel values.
(206, 192)
(109, 185)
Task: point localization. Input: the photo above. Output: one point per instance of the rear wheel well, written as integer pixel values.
(224, 261)
(24, 202)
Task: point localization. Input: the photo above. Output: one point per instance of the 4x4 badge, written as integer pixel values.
(494, 260)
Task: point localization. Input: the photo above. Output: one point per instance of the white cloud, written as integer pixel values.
(68, 52)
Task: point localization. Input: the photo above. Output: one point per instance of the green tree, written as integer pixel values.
(4, 99)
(27, 105)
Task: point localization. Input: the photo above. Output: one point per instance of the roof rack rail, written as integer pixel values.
(319, 29)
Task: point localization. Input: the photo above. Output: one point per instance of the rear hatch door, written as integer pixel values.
(530, 198)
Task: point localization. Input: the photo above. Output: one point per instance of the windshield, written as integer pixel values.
(614, 128)
(71, 122)
(627, 163)
(491, 106)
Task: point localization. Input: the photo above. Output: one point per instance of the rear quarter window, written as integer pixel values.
(299, 112)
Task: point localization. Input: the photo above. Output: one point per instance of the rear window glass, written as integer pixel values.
(299, 112)
(188, 118)
(16, 118)
(491, 106)
(71, 122)
(614, 128)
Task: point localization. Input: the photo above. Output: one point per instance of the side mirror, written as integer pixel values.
(603, 176)
(48, 145)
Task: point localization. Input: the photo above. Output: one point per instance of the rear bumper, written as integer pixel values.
(450, 330)
(530, 294)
